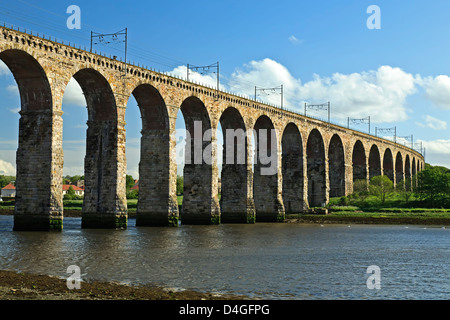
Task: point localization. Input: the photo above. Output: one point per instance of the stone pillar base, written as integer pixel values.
(150, 219)
(104, 220)
(200, 219)
(234, 217)
(270, 217)
(36, 222)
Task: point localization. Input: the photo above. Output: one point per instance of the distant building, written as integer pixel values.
(9, 191)
(136, 185)
(80, 183)
(78, 191)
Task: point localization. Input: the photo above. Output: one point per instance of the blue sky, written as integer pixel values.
(319, 50)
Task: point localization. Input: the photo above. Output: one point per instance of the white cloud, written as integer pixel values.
(13, 89)
(208, 79)
(433, 123)
(14, 110)
(379, 93)
(437, 89)
(440, 146)
(74, 94)
(265, 74)
(4, 70)
(293, 39)
(7, 168)
(437, 152)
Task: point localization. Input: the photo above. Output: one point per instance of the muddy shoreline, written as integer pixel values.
(24, 286)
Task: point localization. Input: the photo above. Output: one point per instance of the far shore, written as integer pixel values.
(392, 218)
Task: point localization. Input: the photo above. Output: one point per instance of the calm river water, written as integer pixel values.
(265, 260)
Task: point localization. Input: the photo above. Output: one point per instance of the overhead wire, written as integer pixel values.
(141, 54)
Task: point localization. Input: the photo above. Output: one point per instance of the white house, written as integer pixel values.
(78, 191)
(9, 191)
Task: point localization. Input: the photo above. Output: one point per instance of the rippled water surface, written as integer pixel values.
(267, 260)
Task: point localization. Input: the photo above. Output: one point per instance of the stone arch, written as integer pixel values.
(265, 177)
(100, 100)
(236, 202)
(316, 170)
(38, 202)
(292, 169)
(200, 201)
(336, 160)
(359, 162)
(34, 88)
(399, 168)
(388, 164)
(374, 162)
(157, 203)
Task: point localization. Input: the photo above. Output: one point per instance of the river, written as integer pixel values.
(264, 260)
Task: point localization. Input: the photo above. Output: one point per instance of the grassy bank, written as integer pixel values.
(392, 213)
(376, 215)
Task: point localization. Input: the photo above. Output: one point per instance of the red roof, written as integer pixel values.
(136, 185)
(9, 187)
(66, 187)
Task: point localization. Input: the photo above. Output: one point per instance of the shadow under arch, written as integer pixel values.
(157, 202)
(200, 196)
(359, 162)
(374, 162)
(317, 185)
(236, 202)
(292, 170)
(399, 169)
(104, 204)
(269, 207)
(336, 160)
(388, 164)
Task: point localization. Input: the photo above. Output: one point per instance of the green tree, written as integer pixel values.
(180, 185)
(404, 189)
(361, 189)
(5, 180)
(70, 195)
(129, 182)
(381, 187)
(433, 184)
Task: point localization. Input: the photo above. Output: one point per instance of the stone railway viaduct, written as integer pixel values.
(315, 160)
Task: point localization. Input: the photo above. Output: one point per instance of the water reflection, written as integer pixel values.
(275, 261)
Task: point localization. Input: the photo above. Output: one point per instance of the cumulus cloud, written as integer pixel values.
(437, 152)
(433, 123)
(74, 94)
(380, 93)
(440, 146)
(208, 79)
(7, 168)
(265, 74)
(437, 89)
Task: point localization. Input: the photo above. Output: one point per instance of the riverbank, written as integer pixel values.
(23, 286)
(389, 216)
(352, 219)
